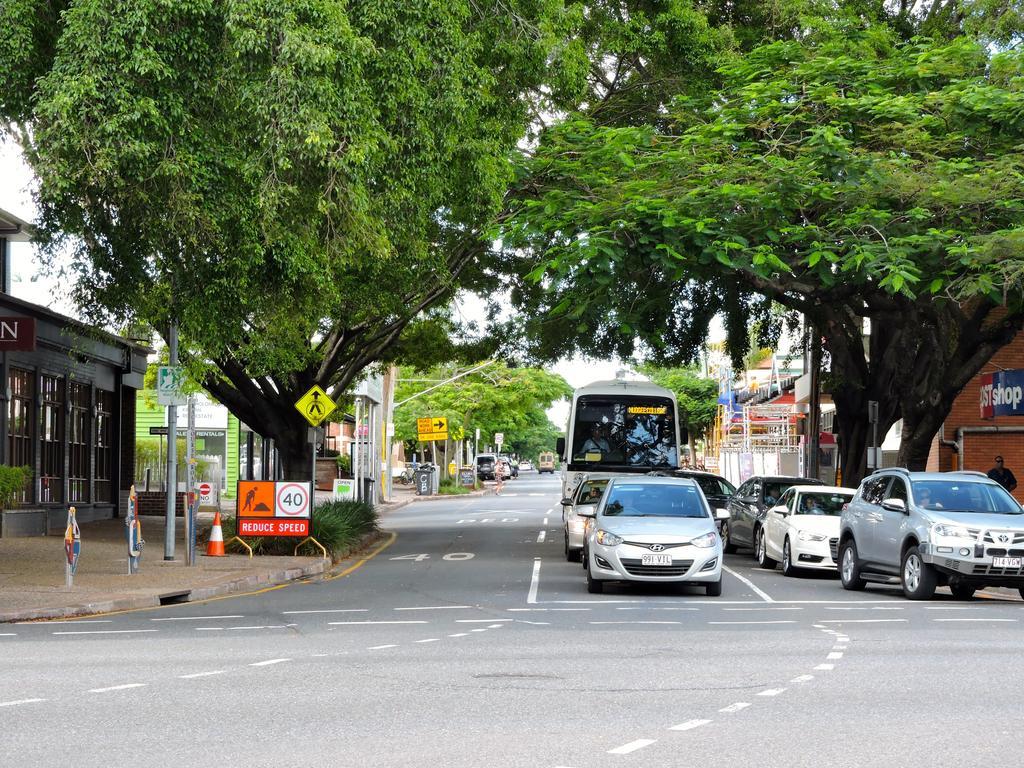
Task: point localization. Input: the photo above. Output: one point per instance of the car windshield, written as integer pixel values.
(830, 504)
(714, 486)
(964, 496)
(651, 500)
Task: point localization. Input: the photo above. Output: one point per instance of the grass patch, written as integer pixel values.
(335, 524)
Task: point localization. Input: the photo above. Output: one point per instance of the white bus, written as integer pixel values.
(619, 428)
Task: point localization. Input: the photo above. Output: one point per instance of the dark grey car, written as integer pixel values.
(750, 503)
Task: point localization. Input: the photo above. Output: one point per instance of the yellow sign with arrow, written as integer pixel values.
(434, 428)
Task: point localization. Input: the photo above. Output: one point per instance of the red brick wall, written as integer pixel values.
(979, 450)
(155, 503)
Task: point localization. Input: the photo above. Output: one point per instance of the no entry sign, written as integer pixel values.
(267, 508)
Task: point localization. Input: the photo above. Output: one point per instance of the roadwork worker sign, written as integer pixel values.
(315, 406)
(267, 508)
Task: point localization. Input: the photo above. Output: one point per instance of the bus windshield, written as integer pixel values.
(627, 431)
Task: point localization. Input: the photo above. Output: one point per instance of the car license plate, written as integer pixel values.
(656, 560)
(1006, 562)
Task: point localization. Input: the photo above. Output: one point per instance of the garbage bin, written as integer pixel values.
(424, 479)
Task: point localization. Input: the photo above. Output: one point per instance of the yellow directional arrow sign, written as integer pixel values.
(433, 428)
(315, 406)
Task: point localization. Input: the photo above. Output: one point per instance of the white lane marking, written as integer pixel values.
(329, 610)
(479, 621)
(199, 618)
(825, 667)
(229, 629)
(531, 598)
(834, 655)
(763, 595)
(771, 691)
(380, 647)
(541, 536)
(268, 662)
(64, 621)
(366, 623)
(117, 688)
(950, 608)
(545, 521)
(689, 725)
(839, 647)
(540, 610)
(495, 626)
(550, 511)
(864, 621)
(19, 701)
(460, 634)
(817, 626)
(201, 674)
(735, 707)
(8, 634)
(778, 621)
(428, 640)
(436, 608)
(604, 623)
(802, 679)
(1002, 620)
(766, 608)
(108, 632)
(633, 746)
(482, 629)
(628, 608)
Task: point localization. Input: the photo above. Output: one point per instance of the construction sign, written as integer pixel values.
(433, 428)
(315, 406)
(267, 508)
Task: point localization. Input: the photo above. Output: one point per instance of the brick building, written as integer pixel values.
(979, 440)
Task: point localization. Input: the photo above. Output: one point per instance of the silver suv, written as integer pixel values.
(957, 529)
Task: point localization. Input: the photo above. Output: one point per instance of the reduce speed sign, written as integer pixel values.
(292, 500)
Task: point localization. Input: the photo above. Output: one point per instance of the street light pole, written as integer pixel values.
(172, 451)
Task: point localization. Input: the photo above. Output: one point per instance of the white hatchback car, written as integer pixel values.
(800, 530)
(654, 530)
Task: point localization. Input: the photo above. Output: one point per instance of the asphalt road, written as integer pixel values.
(470, 641)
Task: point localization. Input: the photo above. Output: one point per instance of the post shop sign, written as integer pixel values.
(1002, 394)
(268, 508)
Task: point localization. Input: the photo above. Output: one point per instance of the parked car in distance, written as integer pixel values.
(546, 463)
(747, 507)
(585, 497)
(801, 530)
(930, 529)
(655, 530)
(717, 490)
(525, 465)
(485, 463)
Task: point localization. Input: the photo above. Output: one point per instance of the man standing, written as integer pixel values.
(1002, 475)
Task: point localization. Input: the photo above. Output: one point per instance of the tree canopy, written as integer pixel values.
(850, 177)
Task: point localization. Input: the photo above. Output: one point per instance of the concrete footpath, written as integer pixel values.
(32, 569)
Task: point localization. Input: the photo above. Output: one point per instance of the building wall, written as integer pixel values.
(979, 450)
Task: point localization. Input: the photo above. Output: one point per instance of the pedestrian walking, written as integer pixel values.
(499, 475)
(1002, 475)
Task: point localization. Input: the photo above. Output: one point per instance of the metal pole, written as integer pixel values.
(814, 417)
(355, 451)
(172, 452)
(190, 474)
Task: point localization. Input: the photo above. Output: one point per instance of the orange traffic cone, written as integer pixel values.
(215, 548)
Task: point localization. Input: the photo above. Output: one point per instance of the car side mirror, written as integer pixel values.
(780, 510)
(587, 511)
(560, 446)
(721, 513)
(566, 502)
(895, 505)
(746, 500)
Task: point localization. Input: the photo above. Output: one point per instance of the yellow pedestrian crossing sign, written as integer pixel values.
(433, 428)
(315, 406)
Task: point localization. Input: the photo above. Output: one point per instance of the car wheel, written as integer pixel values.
(714, 588)
(788, 568)
(963, 591)
(594, 586)
(761, 551)
(919, 579)
(727, 546)
(849, 567)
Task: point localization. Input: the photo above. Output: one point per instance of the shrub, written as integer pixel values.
(13, 481)
(335, 524)
(449, 487)
(344, 462)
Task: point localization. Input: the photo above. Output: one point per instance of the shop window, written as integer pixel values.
(19, 415)
(78, 444)
(104, 445)
(51, 438)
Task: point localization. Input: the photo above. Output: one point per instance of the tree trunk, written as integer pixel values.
(296, 455)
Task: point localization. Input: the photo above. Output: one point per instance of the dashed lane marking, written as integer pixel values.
(428, 640)
(368, 623)
(201, 674)
(763, 595)
(268, 662)
(107, 632)
(436, 608)
(865, 621)
(986, 620)
(198, 618)
(65, 621)
(117, 688)
(460, 634)
(633, 746)
(541, 536)
(834, 655)
(689, 725)
(606, 623)
(328, 610)
(771, 692)
(735, 707)
(779, 621)
(825, 667)
(479, 621)
(802, 679)
(18, 702)
(243, 629)
(380, 647)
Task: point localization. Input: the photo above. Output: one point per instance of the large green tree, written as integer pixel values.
(294, 183)
(851, 177)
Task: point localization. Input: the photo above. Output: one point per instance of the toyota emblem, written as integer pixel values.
(657, 547)
(1004, 538)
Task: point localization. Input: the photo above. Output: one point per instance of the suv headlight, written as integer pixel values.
(808, 536)
(608, 539)
(705, 541)
(944, 530)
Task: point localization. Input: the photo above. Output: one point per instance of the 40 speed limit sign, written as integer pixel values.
(267, 508)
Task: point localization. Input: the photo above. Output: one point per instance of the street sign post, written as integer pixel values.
(432, 428)
(269, 508)
(499, 439)
(315, 406)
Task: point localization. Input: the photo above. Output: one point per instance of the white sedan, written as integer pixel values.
(800, 530)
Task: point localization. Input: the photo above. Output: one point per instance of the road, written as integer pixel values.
(468, 640)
